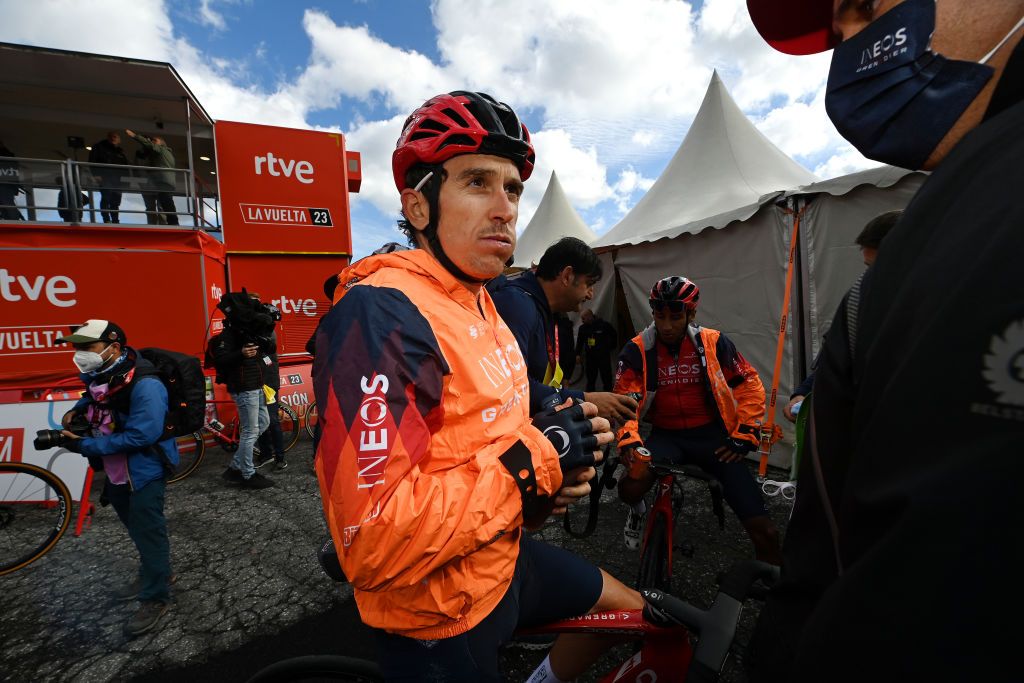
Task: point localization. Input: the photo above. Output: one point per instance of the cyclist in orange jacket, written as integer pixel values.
(705, 402)
(429, 465)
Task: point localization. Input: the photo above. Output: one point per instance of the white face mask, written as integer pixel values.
(89, 361)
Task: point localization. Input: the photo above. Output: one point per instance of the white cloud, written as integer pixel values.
(375, 141)
(211, 17)
(845, 160)
(143, 28)
(630, 181)
(351, 62)
(644, 138)
(800, 129)
(604, 59)
(583, 177)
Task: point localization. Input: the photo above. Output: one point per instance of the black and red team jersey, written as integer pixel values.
(681, 401)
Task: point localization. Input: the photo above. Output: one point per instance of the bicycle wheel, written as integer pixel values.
(654, 560)
(35, 510)
(311, 416)
(289, 425)
(319, 667)
(191, 449)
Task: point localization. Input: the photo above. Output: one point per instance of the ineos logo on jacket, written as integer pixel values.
(373, 433)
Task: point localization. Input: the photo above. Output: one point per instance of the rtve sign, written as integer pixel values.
(284, 189)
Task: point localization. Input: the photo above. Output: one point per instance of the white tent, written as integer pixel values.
(719, 174)
(554, 219)
(723, 214)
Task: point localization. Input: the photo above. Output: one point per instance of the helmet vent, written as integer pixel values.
(430, 124)
(457, 140)
(452, 114)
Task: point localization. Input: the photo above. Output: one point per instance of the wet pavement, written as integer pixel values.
(249, 589)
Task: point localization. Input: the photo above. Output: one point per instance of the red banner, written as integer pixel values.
(284, 190)
(159, 285)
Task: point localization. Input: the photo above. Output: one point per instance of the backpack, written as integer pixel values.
(186, 390)
(209, 360)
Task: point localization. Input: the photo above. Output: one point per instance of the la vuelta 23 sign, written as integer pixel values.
(282, 189)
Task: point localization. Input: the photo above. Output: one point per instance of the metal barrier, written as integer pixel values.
(84, 192)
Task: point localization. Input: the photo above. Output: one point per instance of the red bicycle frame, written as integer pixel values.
(662, 506)
(664, 656)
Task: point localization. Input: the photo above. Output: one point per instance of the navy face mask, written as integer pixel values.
(891, 96)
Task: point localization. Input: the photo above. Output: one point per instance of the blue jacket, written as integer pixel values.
(523, 305)
(137, 430)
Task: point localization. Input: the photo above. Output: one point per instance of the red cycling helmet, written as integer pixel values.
(675, 292)
(461, 122)
(796, 27)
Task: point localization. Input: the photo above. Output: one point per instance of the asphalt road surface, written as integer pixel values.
(250, 591)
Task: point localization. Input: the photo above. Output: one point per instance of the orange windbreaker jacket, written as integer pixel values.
(740, 398)
(427, 459)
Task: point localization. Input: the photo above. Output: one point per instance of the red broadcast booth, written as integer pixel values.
(260, 207)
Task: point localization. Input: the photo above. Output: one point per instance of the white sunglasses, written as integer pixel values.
(770, 487)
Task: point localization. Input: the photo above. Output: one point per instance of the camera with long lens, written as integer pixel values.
(55, 438)
(273, 311)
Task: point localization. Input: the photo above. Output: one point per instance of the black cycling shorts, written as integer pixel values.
(549, 584)
(697, 447)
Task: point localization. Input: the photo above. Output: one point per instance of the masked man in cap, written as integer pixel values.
(125, 404)
(900, 558)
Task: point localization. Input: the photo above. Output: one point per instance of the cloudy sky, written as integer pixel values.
(608, 88)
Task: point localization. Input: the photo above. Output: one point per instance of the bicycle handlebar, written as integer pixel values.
(716, 626)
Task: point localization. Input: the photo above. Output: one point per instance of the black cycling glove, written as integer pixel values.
(571, 433)
(740, 446)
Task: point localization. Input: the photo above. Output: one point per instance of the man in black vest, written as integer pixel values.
(595, 343)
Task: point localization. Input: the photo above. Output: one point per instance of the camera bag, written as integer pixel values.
(186, 389)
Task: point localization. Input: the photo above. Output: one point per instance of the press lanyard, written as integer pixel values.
(553, 375)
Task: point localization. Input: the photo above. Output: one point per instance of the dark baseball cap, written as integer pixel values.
(94, 331)
(796, 27)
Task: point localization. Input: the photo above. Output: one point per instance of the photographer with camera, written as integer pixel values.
(243, 356)
(271, 442)
(119, 424)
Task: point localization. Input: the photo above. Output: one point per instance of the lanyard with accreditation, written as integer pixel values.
(553, 375)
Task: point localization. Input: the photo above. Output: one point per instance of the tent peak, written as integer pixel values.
(554, 218)
(724, 164)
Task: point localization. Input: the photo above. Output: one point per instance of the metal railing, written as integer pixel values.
(82, 192)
